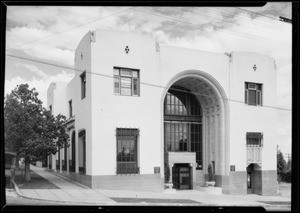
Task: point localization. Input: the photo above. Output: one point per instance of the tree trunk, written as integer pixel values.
(27, 171)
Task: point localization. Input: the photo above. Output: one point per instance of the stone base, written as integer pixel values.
(138, 182)
(170, 191)
(168, 185)
(210, 189)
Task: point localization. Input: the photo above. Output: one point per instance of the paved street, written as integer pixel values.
(71, 193)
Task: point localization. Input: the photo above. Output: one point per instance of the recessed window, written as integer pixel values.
(83, 85)
(183, 123)
(254, 139)
(126, 82)
(70, 109)
(50, 109)
(253, 94)
(127, 151)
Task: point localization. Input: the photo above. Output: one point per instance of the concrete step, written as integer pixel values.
(210, 189)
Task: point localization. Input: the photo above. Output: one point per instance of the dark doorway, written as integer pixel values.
(58, 161)
(82, 151)
(182, 176)
(72, 158)
(249, 182)
(254, 179)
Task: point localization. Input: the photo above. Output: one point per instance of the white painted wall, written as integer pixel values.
(245, 118)
(82, 107)
(101, 112)
(111, 111)
(56, 96)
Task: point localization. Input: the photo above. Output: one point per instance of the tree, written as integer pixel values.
(281, 166)
(30, 130)
(289, 165)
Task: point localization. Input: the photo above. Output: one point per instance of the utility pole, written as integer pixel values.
(283, 19)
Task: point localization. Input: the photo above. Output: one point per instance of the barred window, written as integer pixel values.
(126, 82)
(127, 151)
(253, 94)
(254, 139)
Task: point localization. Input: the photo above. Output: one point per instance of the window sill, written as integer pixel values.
(116, 94)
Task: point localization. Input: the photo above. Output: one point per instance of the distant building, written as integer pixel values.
(143, 114)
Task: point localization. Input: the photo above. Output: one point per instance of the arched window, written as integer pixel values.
(183, 123)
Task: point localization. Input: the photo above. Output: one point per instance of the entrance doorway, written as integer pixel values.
(182, 176)
(254, 179)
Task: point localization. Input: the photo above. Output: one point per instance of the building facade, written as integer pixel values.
(143, 114)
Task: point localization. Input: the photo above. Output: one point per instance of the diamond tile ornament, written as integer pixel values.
(126, 49)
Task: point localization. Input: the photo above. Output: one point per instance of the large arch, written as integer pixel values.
(215, 118)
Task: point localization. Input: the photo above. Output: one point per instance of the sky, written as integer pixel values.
(51, 34)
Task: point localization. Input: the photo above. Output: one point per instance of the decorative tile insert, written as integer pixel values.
(253, 154)
(127, 49)
(254, 67)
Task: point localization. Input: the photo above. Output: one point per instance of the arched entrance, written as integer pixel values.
(254, 179)
(195, 116)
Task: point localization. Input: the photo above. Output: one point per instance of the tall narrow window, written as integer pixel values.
(183, 123)
(70, 109)
(50, 109)
(127, 151)
(82, 151)
(83, 85)
(126, 82)
(253, 94)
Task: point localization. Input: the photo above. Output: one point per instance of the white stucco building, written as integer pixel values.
(142, 114)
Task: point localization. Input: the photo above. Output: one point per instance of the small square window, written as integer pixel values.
(253, 94)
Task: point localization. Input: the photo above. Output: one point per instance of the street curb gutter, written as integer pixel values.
(270, 207)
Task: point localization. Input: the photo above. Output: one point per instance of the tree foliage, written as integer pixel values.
(283, 168)
(30, 129)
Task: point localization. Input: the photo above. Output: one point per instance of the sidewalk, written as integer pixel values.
(74, 193)
(68, 192)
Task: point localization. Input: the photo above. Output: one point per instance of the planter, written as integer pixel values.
(210, 183)
(168, 185)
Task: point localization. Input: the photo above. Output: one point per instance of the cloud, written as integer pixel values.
(41, 85)
(212, 29)
(33, 69)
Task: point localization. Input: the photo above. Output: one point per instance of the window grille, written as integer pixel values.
(127, 151)
(254, 139)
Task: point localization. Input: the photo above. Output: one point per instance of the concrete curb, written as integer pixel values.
(267, 207)
(19, 193)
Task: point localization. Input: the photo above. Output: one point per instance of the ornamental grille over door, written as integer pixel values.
(254, 147)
